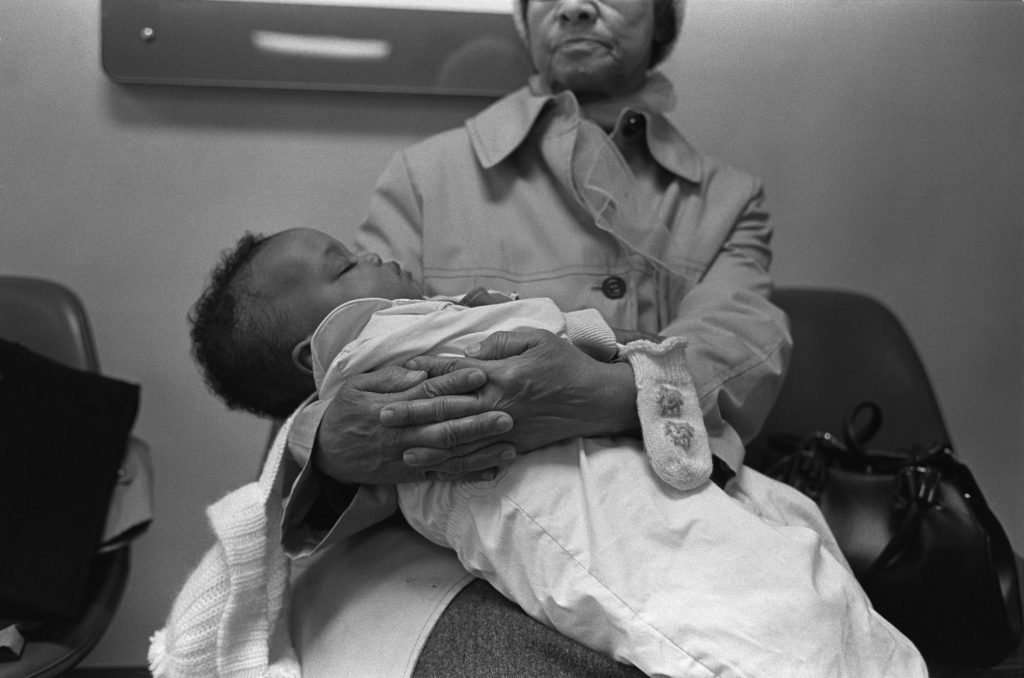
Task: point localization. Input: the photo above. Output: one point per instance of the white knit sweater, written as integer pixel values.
(231, 617)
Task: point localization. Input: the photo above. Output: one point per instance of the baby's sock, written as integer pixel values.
(670, 415)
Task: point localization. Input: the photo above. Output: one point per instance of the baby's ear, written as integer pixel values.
(302, 355)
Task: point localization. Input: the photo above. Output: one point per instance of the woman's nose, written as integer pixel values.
(577, 11)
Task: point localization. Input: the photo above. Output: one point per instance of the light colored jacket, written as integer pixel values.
(531, 197)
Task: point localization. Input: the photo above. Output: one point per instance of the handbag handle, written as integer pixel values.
(860, 426)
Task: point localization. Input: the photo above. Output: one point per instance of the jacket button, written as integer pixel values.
(633, 125)
(614, 287)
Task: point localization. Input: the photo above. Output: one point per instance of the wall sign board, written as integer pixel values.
(460, 47)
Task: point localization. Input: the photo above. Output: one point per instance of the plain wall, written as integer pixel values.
(890, 137)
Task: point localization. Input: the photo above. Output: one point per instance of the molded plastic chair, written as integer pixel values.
(50, 319)
(848, 348)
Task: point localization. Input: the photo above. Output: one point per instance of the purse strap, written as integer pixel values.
(859, 427)
(917, 485)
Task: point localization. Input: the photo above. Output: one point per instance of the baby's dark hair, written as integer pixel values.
(242, 344)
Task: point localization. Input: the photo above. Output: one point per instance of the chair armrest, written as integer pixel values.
(131, 505)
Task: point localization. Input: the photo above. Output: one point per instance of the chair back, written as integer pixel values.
(48, 318)
(848, 348)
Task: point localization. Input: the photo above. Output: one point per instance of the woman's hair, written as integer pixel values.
(668, 20)
(242, 343)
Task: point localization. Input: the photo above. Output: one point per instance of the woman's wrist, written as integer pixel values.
(613, 408)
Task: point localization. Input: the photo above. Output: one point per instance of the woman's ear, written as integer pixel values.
(302, 356)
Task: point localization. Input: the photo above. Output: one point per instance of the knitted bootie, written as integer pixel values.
(670, 415)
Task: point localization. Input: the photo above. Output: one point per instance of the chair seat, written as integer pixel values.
(60, 645)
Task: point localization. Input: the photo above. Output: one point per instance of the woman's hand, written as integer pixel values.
(551, 389)
(354, 447)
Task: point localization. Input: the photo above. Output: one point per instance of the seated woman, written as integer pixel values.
(576, 187)
(583, 534)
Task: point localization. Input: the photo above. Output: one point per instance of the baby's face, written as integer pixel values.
(309, 273)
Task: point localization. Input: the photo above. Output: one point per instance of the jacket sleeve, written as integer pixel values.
(355, 508)
(738, 342)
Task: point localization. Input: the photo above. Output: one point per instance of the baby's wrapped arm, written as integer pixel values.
(589, 332)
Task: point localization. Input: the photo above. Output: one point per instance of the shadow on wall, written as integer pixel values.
(309, 112)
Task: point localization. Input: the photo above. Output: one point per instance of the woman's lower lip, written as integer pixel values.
(579, 46)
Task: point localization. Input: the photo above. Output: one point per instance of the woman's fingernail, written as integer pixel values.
(504, 422)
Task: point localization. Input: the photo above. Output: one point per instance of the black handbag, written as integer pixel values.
(63, 435)
(917, 533)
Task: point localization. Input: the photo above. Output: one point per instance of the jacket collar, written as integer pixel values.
(500, 129)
